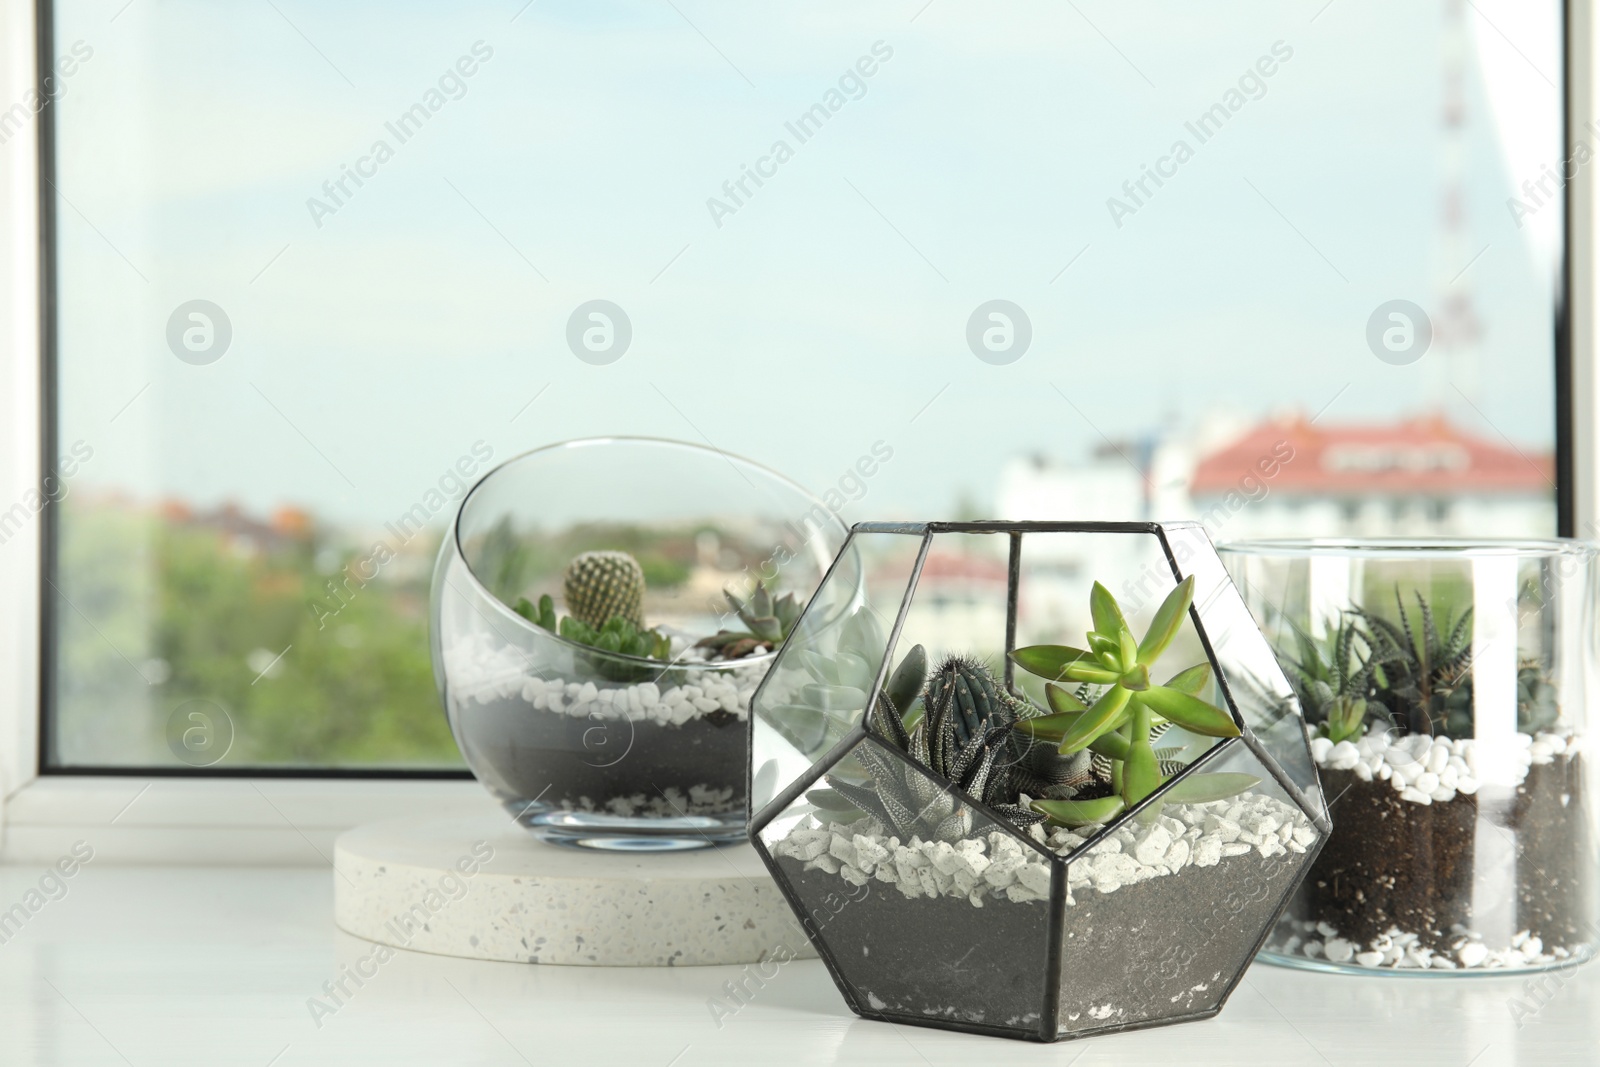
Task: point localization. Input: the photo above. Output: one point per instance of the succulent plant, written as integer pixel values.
(618, 635)
(768, 621)
(824, 696)
(1422, 676)
(1537, 709)
(963, 733)
(767, 617)
(1417, 674)
(1333, 680)
(543, 614)
(600, 585)
(1120, 717)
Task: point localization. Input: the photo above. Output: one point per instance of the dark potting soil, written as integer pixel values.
(1393, 863)
(1171, 946)
(1557, 856)
(938, 958)
(1164, 948)
(565, 759)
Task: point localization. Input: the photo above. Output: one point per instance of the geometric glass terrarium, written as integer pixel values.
(1445, 686)
(984, 828)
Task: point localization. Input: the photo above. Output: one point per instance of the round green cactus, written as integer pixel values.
(602, 585)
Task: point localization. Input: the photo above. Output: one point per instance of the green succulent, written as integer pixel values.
(767, 617)
(1537, 710)
(1333, 680)
(599, 586)
(832, 685)
(618, 635)
(768, 622)
(964, 733)
(542, 615)
(1422, 676)
(1417, 673)
(1121, 713)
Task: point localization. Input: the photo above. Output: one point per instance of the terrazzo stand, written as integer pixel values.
(483, 888)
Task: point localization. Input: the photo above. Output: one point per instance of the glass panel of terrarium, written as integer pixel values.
(1201, 883)
(959, 607)
(926, 909)
(701, 524)
(1244, 659)
(1557, 633)
(817, 688)
(1494, 662)
(1056, 574)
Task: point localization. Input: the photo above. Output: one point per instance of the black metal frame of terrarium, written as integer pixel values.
(1071, 961)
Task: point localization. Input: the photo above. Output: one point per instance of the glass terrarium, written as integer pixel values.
(1034, 780)
(1444, 685)
(603, 611)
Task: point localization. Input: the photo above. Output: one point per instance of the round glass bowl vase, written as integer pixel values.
(1445, 685)
(584, 744)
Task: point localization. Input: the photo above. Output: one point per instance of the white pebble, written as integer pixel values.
(1344, 756)
(1438, 758)
(1338, 950)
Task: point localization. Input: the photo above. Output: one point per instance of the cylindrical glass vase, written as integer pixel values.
(1445, 685)
(636, 740)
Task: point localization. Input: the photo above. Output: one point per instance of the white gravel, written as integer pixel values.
(1429, 770)
(670, 803)
(1397, 949)
(482, 668)
(995, 866)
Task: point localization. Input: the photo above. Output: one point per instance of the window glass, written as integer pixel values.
(1289, 269)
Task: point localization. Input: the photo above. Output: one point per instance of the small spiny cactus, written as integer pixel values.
(600, 585)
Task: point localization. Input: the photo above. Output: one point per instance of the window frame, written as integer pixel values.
(290, 815)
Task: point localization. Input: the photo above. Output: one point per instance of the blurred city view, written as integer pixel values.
(274, 618)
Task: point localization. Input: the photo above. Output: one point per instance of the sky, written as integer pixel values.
(374, 345)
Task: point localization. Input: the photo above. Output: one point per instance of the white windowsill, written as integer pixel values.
(214, 821)
(188, 966)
